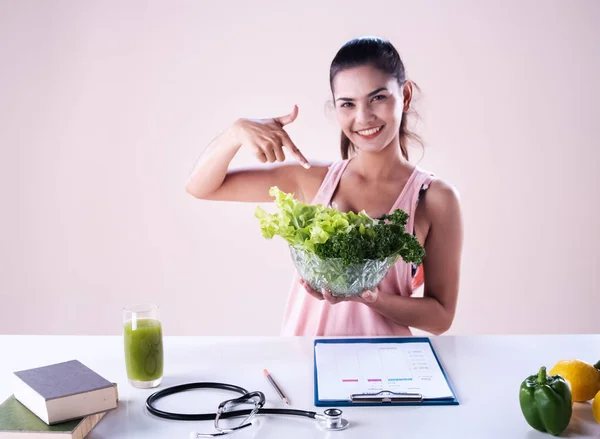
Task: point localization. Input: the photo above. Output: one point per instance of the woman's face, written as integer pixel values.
(369, 105)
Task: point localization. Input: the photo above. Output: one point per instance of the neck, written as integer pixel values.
(380, 165)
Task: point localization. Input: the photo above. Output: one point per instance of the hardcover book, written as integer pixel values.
(18, 422)
(64, 391)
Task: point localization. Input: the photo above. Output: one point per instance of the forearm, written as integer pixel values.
(211, 169)
(425, 313)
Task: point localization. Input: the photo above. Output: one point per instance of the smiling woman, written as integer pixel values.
(361, 56)
(372, 98)
(377, 99)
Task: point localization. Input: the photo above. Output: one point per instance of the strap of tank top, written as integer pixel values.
(422, 181)
(406, 189)
(428, 179)
(330, 182)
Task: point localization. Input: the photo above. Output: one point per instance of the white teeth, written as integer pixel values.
(368, 132)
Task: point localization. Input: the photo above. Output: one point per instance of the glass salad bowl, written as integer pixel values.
(337, 278)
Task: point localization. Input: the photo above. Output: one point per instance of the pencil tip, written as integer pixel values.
(286, 401)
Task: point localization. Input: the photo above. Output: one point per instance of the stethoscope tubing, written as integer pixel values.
(210, 416)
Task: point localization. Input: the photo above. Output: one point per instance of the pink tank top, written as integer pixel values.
(307, 316)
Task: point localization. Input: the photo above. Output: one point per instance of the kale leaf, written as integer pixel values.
(329, 233)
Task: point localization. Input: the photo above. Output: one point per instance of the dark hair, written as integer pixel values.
(382, 55)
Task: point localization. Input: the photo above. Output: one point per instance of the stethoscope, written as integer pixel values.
(330, 420)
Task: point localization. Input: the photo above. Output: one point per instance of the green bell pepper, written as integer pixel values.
(546, 402)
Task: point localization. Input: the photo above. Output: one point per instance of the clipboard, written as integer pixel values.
(384, 396)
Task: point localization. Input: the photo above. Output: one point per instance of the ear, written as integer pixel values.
(407, 94)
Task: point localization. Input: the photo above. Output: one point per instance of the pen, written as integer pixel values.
(275, 386)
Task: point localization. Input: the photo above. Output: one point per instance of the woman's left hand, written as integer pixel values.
(366, 297)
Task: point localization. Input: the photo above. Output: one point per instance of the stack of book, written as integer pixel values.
(63, 400)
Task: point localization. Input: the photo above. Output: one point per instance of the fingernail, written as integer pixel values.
(306, 165)
(366, 295)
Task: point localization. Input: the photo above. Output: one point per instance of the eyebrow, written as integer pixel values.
(369, 95)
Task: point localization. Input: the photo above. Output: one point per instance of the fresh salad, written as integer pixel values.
(329, 233)
(348, 241)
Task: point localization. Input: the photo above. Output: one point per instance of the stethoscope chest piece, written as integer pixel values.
(331, 420)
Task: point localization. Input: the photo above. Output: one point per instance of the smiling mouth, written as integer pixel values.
(371, 132)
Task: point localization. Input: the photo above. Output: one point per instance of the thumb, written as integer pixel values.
(288, 118)
(369, 296)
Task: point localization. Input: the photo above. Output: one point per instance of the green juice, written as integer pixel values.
(144, 350)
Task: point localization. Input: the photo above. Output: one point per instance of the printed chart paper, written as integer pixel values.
(347, 368)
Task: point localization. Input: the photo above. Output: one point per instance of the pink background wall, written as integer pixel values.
(106, 105)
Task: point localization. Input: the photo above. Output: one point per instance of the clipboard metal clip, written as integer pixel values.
(386, 396)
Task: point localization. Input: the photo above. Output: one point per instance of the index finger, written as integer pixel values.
(287, 143)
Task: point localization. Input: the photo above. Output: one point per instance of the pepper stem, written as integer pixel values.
(542, 377)
(597, 365)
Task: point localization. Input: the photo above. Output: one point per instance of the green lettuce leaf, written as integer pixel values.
(329, 233)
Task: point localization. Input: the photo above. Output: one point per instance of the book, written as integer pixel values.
(64, 391)
(18, 422)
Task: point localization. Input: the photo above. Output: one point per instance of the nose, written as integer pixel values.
(364, 115)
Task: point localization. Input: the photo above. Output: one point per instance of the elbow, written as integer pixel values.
(194, 192)
(439, 330)
(443, 325)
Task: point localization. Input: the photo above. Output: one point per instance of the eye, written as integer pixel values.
(379, 97)
(347, 105)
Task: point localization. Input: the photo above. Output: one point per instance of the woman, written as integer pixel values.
(372, 98)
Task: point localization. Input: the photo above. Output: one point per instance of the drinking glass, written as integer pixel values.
(142, 333)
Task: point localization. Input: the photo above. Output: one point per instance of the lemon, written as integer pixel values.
(583, 378)
(596, 407)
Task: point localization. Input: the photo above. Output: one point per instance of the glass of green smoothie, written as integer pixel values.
(142, 332)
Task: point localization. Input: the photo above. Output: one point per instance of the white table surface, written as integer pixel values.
(485, 371)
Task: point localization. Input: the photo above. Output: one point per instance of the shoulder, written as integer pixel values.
(443, 192)
(442, 200)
